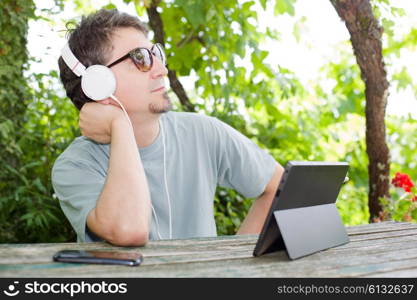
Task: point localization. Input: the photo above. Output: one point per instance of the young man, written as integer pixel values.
(156, 178)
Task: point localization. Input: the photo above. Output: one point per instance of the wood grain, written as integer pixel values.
(385, 249)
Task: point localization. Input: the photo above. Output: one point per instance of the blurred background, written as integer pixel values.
(282, 72)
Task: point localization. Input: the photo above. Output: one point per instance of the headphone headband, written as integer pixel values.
(97, 81)
(72, 62)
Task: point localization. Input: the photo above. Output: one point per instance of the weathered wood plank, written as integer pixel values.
(34, 255)
(384, 248)
(268, 266)
(354, 230)
(224, 240)
(321, 262)
(382, 235)
(217, 250)
(380, 227)
(406, 272)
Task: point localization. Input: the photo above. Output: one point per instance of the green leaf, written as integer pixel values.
(39, 185)
(110, 6)
(403, 79)
(284, 6)
(195, 11)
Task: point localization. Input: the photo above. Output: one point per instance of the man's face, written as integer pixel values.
(135, 89)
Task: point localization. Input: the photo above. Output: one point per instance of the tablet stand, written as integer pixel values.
(310, 229)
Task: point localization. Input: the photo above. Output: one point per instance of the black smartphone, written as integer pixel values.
(99, 257)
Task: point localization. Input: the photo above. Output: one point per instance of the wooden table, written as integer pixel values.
(376, 250)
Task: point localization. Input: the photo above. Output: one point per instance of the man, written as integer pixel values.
(155, 178)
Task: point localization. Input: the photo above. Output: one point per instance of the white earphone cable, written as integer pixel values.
(157, 223)
(165, 179)
(127, 116)
(165, 175)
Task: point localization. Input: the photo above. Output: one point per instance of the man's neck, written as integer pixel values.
(146, 131)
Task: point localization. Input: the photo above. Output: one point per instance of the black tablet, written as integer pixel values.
(303, 217)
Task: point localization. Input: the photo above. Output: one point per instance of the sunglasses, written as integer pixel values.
(143, 57)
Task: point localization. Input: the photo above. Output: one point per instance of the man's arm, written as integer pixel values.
(122, 211)
(258, 212)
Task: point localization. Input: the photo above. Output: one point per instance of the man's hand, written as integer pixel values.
(97, 118)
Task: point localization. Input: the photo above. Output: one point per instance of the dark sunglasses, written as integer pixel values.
(143, 57)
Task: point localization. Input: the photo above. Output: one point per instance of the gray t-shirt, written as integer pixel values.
(201, 153)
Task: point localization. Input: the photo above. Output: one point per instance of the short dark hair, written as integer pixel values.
(90, 41)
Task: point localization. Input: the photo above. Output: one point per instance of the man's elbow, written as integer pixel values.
(128, 237)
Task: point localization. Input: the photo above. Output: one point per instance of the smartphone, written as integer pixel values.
(99, 257)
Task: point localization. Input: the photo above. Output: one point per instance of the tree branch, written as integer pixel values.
(157, 26)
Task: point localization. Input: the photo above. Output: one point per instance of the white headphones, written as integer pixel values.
(98, 83)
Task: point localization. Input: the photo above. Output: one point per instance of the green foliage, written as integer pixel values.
(284, 6)
(398, 207)
(229, 206)
(52, 125)
(29, 143)
(394, 44)
(400, 129)
(401, 205)
(401, 137)
(30, 206)
(13, 102)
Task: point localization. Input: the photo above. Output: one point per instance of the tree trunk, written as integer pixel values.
(365, 35)
(157, 27)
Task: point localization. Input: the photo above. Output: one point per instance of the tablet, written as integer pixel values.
(303, 217)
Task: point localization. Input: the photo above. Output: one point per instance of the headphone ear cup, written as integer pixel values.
(98, 82)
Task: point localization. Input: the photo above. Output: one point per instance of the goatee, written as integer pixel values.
(162, 107)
